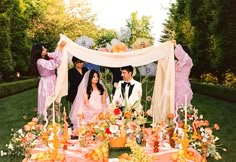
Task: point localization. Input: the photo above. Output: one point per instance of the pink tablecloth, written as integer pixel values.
(74, 154)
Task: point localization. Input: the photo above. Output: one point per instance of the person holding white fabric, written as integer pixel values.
(128, 91)
(45, 64)
(183, 66)
(90, 100)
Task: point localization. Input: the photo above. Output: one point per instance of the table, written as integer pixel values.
(77, 154)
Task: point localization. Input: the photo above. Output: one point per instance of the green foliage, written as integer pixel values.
(230, 79)
(209, 78)
(105, 36)
(6, 62)
(7, 89)
(207, 28)
(19, 40)
(225, 93)
(140, 28)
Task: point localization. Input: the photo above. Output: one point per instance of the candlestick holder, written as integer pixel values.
(185, 139)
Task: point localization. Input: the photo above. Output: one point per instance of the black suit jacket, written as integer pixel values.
(74, 80)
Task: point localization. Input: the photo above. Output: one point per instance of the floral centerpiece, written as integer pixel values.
(23, 140)
(207, 142)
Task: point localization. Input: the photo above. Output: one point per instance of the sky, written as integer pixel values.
(112, 14)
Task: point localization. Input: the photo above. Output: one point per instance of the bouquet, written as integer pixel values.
(23, 140)
(207, 143)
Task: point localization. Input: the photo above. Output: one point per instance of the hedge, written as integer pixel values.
(217, 91)
(7, 89)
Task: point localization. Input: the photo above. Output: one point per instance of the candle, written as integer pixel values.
(152, 117)
(46, 123)
(185, 110)
(53, 113)
(175, 120)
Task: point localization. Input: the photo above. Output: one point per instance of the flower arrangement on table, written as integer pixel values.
(113, 124)
(23, 140)
(207, 142)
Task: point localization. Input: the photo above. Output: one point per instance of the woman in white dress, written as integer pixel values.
(90, 100)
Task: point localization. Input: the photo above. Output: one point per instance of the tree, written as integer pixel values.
(19, 39)
(140, 28)
(6, 62)
(105, 36)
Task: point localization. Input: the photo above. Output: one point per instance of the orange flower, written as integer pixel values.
(216, 126)
(107, 115)
(207, 123)
(170, 116)
(23, 139)
(208, 131)
(127, 115)
(119, 47)
(100, 116)
(199, 137)
(180, 124)
(81, 116)
(27, 127)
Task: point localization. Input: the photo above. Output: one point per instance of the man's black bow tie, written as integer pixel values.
(127, 83)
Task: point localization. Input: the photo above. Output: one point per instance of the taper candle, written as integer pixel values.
(185, 110)
(53, 113)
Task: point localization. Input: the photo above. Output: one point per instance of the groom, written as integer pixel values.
(128, 91)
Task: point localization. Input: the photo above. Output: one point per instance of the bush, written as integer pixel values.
(7, 89)
(217, 91)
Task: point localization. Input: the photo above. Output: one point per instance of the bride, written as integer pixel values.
(90, 100)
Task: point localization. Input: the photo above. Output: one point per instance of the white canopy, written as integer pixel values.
(163, 93)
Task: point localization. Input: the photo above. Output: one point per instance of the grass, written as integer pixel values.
(13, 108)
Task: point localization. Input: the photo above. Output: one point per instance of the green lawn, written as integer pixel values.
(13, 108)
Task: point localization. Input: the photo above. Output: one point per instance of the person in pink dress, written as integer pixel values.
(183, 66)
(91, 98)
(44, 65)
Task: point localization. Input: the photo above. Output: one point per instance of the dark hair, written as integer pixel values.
(90, 88)
(128, 68)
(76, 60)
(36, 53)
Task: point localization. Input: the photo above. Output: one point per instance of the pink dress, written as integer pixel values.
(47, 81)
(95, 101)
(182, 70)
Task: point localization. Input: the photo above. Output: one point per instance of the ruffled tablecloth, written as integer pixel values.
(77, 154)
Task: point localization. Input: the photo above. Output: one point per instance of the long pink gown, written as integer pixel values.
(78, 107)
(95, 101)
(47, 81)
(182, 70)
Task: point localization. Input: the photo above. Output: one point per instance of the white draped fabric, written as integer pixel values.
(163, 94)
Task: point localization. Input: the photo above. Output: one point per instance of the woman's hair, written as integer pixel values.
(90, 88)
(36, 53)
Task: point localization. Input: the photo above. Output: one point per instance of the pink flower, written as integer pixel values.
(35, 120)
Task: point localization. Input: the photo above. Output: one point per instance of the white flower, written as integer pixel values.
(3, 153)
(85, 41)
(129, 131)
(113, 129)
(20, 131)
(124, 33)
